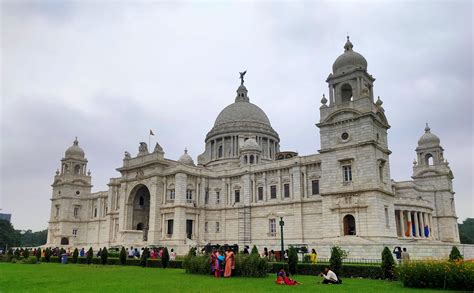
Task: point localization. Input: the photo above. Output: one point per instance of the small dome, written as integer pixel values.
(349, 60)
(186, 159)
(75, 151)
(250, 144)
(428, 139)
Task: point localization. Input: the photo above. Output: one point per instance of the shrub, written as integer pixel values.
(251, 266)
(29, 260)
(104, 255)
(192, 251)
(9, 255)
(89, 255)
(165, 258)
(255, 250)
(145, 255)
(38, 254)
(457, 275)
(47, 254)
(75, 255)
(123, 256)
(292, 260)
(455, 254)
(388, 264)
(197, 264)
(26, 253)
(17, 253)
(335, 262)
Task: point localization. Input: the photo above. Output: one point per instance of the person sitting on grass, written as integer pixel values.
(283, 279)
(330, 277)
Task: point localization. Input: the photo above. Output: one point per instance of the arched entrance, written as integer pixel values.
(349, 225)
(140, 202)
(64, 241)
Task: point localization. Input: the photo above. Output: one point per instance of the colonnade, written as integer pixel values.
(414, 224)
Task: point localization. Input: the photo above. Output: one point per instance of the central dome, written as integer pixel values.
(349, 60)
(242, 112)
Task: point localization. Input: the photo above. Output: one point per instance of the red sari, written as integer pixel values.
(229, 263)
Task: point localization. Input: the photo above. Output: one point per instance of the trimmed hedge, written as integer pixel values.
(347, 270)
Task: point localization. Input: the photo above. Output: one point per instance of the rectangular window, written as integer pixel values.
(260, 193)
(286, 190)
(206, 197)
(76, 212)
(347, 173)
(57, 211)
(189, 196)
(273, 191)
(74, 232)
(387, 222)
(218, 228)
(170, 227)
(315, 187)
(237, 196)
(171, 195)
(272, 227)
(218, 197)
(206, 227)
(381, 172)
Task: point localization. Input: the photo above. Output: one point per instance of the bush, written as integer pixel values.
(348, 270)
(192, 252)
(26, 253)
(123, 256)
(388, 264)
(47, 254)
(457, 275)
(104, 255)
(165, 258)
(145, 255)
(38, 254)
(292, 260)
(75, 255)
(455, 254)
(29, 260)
(251, 266)
(89, 255)
(335, 262)
(197, 264)
(255, 250)
(17, 253)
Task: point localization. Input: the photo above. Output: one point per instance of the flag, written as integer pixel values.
(151, 132)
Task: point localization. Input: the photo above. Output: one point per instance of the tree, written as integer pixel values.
(292, 260)
(388, 264)
(47, 254)
(123, 256)
(8, 235)
(466, 231)
(104, 255)
(89, 255)
(335, 262)
(75, 255)
(255, 250)
(165, 258)
(455, 254)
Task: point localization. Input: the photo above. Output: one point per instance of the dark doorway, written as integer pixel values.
(189, 228)
(349, 225)
(64, 241)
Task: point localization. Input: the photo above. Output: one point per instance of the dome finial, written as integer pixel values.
(427, 128)
(185, 150)
(348, 46)
(76, 142)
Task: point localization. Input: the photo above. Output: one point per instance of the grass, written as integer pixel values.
(53, 277)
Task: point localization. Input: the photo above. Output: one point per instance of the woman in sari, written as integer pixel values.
(283, 279)
(217, 264)
(229, 262)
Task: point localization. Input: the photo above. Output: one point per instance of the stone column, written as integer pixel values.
(179, 229)
(425, 220)
(305, 182)
(154, 219)
(422, 225)
(402, 223)
(417, 227)
(409, 221)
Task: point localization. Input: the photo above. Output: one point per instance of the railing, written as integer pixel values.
(353, 260)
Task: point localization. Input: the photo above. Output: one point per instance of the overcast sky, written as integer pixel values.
(109, 71)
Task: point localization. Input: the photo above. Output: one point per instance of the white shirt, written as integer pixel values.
(330, 276)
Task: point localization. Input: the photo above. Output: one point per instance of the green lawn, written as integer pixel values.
(52, 277)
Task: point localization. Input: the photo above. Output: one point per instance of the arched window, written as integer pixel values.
(245, 160)
(429, 159)
(95, 212)
(346, 93)
(219, 152)
(349, 225)
(64, 241)
(140, 226)
(141, 201)
(77, 169)
(251, 159)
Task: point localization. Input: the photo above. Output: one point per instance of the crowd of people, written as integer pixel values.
(222, 264)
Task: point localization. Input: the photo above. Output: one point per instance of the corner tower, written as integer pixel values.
(354, 148)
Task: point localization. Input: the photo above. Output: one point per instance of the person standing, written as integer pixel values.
(229, 262)
(398, 254)
(314, 256)
(405, 255)
(173, 254)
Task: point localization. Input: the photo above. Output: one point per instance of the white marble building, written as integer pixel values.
(242, 184)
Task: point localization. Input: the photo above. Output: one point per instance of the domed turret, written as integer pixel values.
(428, 139)
(250, 144)
(75, 151)
(186, 159)
(349, 60)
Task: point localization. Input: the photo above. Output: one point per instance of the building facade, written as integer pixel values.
(243, 184)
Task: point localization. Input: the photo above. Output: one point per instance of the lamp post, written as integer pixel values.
(282, 223)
